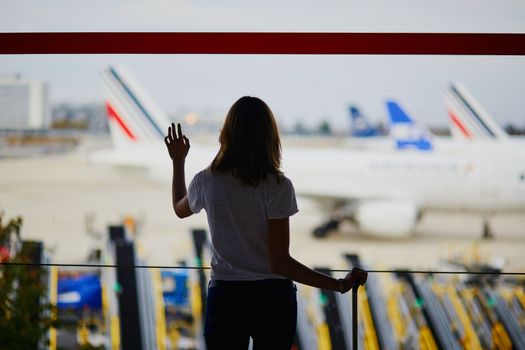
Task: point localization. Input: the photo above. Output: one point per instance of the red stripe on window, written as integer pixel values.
(113, 114)
(264, 43)
(460, 125)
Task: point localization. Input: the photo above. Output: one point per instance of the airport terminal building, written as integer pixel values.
(24, 104)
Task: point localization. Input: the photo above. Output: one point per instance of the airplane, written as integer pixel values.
(137, 127)
(360, 126)
(468, 120)
(404, 132)
(384, 193)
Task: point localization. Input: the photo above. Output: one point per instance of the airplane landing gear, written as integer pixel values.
(324, 229)
(487, 231)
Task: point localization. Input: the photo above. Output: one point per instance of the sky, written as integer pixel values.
(297, 87)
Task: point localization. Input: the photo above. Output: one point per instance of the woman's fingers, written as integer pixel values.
(362, 276)
(175, 136)
(173, 131)
(358, 275)
(179, 131)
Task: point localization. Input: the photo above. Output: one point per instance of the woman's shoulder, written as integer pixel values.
(201, 175)
(278, 181)
(210, 175)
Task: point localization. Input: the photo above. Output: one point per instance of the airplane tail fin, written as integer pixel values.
(134, 118)
(467, 118)
(407, 133)
(360, 125)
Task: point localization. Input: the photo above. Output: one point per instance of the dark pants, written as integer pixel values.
(265, 310)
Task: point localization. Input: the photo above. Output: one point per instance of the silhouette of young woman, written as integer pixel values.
(248, 202)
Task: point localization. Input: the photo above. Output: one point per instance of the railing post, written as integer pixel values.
(354, 316)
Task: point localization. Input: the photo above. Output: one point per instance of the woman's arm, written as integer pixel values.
(283, 264)
(178, 146)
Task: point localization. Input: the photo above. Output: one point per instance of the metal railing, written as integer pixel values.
(355, 331)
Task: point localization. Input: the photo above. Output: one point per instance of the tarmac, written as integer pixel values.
(68, 203)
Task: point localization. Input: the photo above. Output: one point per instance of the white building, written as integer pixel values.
(24, 104)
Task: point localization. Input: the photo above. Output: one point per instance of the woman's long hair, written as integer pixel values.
(250, 144)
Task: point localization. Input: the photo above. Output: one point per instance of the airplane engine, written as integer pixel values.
(386, 218)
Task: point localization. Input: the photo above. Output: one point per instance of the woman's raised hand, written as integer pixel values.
(177, 143)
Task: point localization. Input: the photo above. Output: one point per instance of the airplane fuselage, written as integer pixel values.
(475, 179)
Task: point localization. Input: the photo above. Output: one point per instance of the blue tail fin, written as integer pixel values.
(360, 126)
(407, 133)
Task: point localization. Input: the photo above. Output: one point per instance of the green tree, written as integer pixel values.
(25, 317)
(324, 128)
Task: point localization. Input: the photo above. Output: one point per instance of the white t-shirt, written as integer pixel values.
(237, 216)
